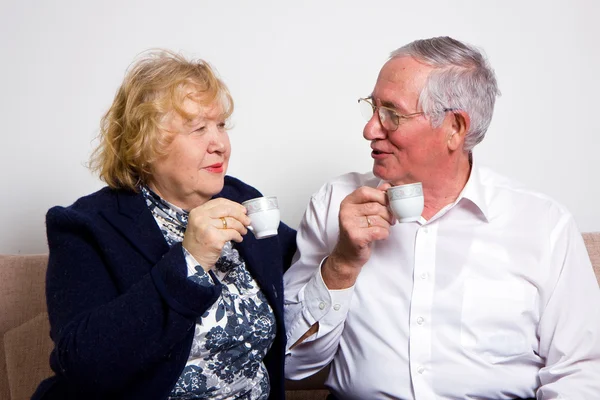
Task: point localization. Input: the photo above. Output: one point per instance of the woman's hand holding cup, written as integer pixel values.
(210, 226)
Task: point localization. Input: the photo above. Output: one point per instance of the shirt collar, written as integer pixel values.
(474, 191)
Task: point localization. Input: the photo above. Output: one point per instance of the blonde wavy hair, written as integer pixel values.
(132, 135)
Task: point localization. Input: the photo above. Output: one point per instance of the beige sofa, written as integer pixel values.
(24, 328)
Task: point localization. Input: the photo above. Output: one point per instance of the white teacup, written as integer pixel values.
(406, 201)
(264, 216)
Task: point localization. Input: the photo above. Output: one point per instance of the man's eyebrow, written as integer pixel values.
(387, 103)
(391, 104)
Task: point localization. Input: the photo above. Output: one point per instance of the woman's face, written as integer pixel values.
(194, 167)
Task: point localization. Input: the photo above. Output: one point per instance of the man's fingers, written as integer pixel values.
(365, 194)
(375, 209)
(377, 221)
(378, 233)
(384, 186)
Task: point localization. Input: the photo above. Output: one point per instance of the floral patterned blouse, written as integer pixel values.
(234, 334)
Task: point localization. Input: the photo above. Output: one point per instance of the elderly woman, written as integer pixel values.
(154, 288)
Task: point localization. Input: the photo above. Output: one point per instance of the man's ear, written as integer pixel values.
(459, 126)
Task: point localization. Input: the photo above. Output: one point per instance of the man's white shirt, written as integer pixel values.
(493, 297)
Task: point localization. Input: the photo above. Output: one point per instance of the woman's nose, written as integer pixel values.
(217, 141)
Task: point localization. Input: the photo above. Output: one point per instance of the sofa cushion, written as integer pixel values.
(592, 242)
(22, 294)
(22, 298)
(308, 394)
(27, 350)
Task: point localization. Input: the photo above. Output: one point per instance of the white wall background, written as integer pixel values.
(295, 70)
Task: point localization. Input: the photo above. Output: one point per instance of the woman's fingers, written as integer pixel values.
(210, 226)
(230, 223)
(221, 207)
(235, 236)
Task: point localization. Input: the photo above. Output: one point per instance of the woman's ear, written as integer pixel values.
(459, 126)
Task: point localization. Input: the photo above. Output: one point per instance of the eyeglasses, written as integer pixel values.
(389, 118)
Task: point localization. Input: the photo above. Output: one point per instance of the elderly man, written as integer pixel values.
(489, 295)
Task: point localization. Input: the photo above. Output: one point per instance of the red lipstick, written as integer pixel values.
(215, 168)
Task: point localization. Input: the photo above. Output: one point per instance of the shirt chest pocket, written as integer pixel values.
(498, 320)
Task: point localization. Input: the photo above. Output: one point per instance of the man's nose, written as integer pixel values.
(373, 129)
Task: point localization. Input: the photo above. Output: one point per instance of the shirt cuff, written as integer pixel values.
(328, 307)
(195, 272)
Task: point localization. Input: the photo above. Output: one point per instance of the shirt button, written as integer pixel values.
(420, 320)
(421, 369)
(322, 305)
(337, 307)
(424, 275)
(425, 229)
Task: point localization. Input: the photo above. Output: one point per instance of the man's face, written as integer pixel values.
(414, 151)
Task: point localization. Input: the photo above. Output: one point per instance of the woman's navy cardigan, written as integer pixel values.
(122, 311)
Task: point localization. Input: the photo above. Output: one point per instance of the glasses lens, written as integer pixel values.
(389, 119)
(366, 109)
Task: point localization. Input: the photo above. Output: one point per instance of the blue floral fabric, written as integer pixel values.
(233, 336)
(171, 219)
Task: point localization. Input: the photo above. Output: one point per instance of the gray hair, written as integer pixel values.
(462, 79)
